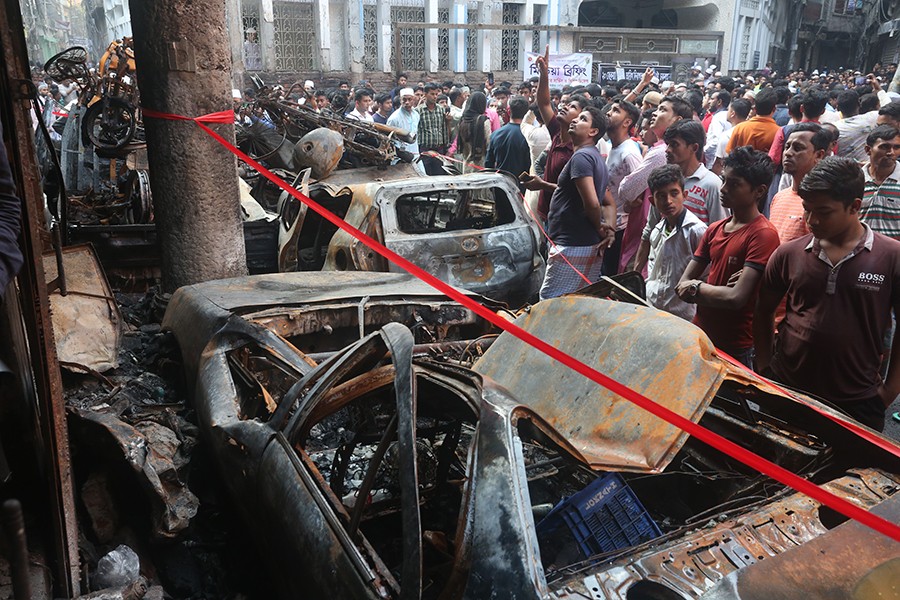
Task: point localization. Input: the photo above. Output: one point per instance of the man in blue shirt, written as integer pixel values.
(508, 149)
(582, 219)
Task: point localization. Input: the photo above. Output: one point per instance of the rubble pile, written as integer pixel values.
(152, 517)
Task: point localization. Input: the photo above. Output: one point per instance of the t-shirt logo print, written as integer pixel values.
(870, 281)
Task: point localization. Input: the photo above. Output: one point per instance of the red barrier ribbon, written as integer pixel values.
(703, 434)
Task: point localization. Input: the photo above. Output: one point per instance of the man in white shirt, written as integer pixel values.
(672, 241)
(361, 110)
(407, 118)
(624, 157)
(717, 127)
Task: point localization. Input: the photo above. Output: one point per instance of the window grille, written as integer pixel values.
(443, 40)
(295, 38)
(250, 28)
(412, 41)
(370, 36)
(509, 56)
(472, 42)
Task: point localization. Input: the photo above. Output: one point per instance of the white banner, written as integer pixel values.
(564, 69)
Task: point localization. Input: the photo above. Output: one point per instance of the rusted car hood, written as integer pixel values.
(659, 355)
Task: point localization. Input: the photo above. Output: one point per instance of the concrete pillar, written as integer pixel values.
(525, 36)
(553, 19)
(385, 36)
(184, 59)
(322, 17)
(431, 37)
(267, 34)
(458, 14)
(236, 41)
(490, 41)
(355, 35)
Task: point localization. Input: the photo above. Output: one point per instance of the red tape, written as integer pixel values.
(715, 440)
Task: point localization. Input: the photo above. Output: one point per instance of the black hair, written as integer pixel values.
(454, 94)
(867, 103)
(594, 90)
(891, 109)
(783, 94)
(724, 97)
(794, 107)
(610, 91)
(765, 102)
(695, 99)
(821, 137)
(634, 113)
(518, 106)
(598, 121)
(690, 131)
(840, 177)
(679, 107)
(403, 75)
(343, 82)
(741, 107)
(882, 132)
(848, 102)
(447, 84)
(501, 90)
(382, 98)
(814, 104)
(360, 94)
(726, 82)
(660, 177)
(752, 166)
(580, 100)
(431, 86)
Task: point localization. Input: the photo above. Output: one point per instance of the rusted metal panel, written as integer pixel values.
(847, 562)
(87, 323)
(52, 434)
(656, 354)
(695, 563)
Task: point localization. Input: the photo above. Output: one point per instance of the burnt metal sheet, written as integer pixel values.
(150, 452)
(244, 294)
(87, 323)
(849, 562)
(661, 356)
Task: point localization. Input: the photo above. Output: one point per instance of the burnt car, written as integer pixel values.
(471, 231)
(383, 441)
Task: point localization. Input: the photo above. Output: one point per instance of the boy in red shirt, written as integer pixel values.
(736, 250)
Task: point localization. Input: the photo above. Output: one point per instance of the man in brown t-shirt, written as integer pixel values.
(842, 281)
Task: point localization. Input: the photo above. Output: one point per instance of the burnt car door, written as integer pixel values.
(470, 231)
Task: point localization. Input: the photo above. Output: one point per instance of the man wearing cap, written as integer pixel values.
(252, 59)
(408, 119)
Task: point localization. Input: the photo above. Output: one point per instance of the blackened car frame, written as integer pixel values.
(383, 441)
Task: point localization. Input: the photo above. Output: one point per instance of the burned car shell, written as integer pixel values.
(495, 547)
(499, 259)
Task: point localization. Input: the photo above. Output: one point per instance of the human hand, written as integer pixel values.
(534, 183)
(687, 290)
(543, 62)
(647, 76)
(607, 236)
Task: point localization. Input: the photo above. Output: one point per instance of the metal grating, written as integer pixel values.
(412, 41)
(370, 37)
(250, 28)
(443, 40)
(745, 44)
(295, 37)
(536, 34)
(509, 54)
(472, 41)
(647, 44)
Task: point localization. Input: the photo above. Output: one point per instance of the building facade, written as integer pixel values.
(288, 38)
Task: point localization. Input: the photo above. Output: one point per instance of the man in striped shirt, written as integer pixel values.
(880, 208)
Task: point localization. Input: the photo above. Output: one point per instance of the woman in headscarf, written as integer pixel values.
(474, 133)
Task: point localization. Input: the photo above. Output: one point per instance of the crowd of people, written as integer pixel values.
(764, 208)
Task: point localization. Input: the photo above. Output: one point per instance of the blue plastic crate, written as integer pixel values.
(603, 517)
